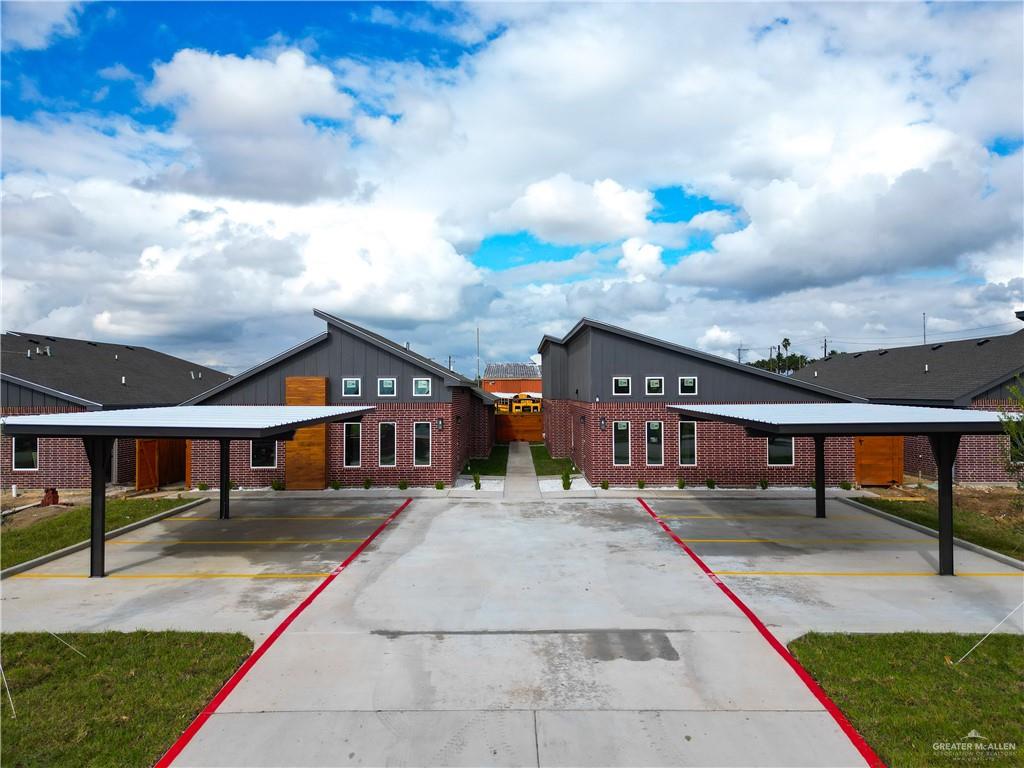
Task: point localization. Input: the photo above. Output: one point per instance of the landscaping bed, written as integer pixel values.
(494, 465)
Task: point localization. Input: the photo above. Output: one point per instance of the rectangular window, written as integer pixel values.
(421, 387)
(351, 387)
(353, 443)
(263, 454)
(388, 456)
(780, 451)
(655, 385)
(386, 387)
(26, 453)
(687, 385)
(655, 444)
(621, 385)
(620, 443)
(421, 444)
(687, 443)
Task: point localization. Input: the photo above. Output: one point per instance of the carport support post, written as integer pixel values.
(944, 448)
(819, 475)
(97, 450)
(225, 479)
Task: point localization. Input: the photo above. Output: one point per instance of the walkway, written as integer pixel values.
(521, 478)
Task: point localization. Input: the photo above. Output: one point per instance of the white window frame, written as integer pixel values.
(380, 426)
(629, 381)
(393, 379)
(344, 445)
(357, 380)
(254, 466)
(696, 386)
(680, 446)
(430, 443)
(792, 452)
(647, 391)
(430, 386)
(629, 443)
(647, 443)
(14, 454)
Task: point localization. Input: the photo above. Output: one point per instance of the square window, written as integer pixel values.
(388, 456)
(351, 387)
(655, 385)
(687, 443)
(421, 444)
(353, 440)
(26, 453)
(421, 387)
(386, 387)
(263, 454)
(620, 443)
(687, 385)
(655, 444)
(780, 451)
(621, 385)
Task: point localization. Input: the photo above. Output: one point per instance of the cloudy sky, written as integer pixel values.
(198, 177)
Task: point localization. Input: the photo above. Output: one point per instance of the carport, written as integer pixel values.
(224, 423)
(942, 426)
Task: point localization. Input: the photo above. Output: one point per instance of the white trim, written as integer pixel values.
(357, 380)
(430, 443)
(380, 425)
(647, 391)
(629, 380)
(696, 386)
(647, 443)
(344, 445)
(629, 443)
(14, 453)
(792, 452)
(679, 452)
(274, 465)
(430, 386)
(393, 379)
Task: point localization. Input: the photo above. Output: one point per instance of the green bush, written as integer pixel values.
(203, 486)
(566, 480)
(234, 486)
(640, 484)
(367, 482)
(277, 485)
(439, 485)
(710, 483)
(813, 485)
(680, 483)
(846, 485)
(763, 482)
(403, 484)
(335, 485)
(476, 481)
(604, 485)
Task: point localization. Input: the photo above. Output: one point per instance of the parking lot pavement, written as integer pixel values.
(196, 572)
(851, 572)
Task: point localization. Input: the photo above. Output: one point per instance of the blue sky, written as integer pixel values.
(198, 176)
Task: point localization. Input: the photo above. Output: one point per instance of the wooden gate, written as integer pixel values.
(519, 426)
(305, 464)
(159, 462)
(878, 460)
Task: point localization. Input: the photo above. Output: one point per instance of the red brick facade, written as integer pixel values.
(724, 452)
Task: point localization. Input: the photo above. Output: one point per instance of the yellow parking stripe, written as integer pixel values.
(745, 517)
(264, 517)
(1017, 574)
(175, 576)
(270, 542)
(808, 541)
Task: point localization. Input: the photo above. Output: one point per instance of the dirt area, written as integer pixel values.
(1002, 503)
(68, 499)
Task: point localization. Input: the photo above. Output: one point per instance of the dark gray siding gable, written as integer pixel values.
(16, 396)
(553, 371)
(579, 384)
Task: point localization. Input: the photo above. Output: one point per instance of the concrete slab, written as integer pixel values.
(520, 476)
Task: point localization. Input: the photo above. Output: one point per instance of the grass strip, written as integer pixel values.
(544, 464)
(494, 465)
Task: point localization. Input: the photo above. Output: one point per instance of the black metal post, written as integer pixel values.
(944, 447)
(819, 475)
(97, 450)
(225, 479)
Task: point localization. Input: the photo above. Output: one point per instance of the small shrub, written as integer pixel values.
(367, 482)
(335, 485)
(813, 484)
(566, 480)
(763, 482)
(846, 485)
(277, 485)
(234, 485)
(710, 483)
(439, 485)
(203, 486)
(476, 481)
(680, 483)
(403, 484)
(604, 485)
(640, 484)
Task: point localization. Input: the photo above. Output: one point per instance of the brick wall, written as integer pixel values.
(724, 452)
(62, 460)
(125, 459)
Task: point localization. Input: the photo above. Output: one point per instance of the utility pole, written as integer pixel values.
(924, 327)
(739, 352)
(449, 362)
(824, 347)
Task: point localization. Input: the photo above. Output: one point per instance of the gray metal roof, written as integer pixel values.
(186, 421)
(956, 370)
(848, 418)
(512, 371)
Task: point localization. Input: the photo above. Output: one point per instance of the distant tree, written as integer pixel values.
(782, 361)
(1013, 426)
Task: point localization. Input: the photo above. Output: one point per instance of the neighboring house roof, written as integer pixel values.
(956, 371)
(512, 371)
(89, 373)
(587, 322)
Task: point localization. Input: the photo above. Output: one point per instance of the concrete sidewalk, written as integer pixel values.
(521, 477)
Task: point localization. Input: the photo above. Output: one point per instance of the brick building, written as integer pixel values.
(51, 374)
(427, 421)
(972, 373)
(607, 392)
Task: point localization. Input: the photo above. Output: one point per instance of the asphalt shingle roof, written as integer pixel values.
(956, 369)
(92, 370)
(512, 371)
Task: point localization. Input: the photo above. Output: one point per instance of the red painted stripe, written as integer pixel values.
(855, 738)
(248, 664)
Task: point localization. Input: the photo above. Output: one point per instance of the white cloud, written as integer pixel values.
(718, 340)
(34, 25)
(640, 259)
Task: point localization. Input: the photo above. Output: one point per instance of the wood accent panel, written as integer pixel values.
(305, 467)
(519, 426)
(159, 462)
(878, 460)
(146, 464)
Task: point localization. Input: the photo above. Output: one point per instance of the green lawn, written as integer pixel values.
(903, 696)
(123, 704)
(20, 544)
(1005, 537)
(545, 465)
(495, 464)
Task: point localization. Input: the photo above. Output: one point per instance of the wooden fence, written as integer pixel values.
(519, 426)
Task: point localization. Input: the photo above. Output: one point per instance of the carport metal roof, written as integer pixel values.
(943, 427)
(223, 423)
